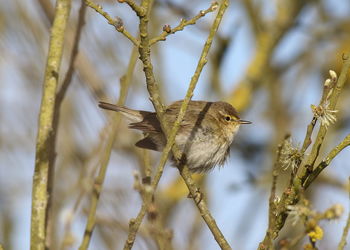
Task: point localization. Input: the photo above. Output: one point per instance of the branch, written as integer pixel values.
(291, 194)
(116, 23)
(334, 95)
(266, 43)
(135, 7)
(254, 13)
(328, 87)
(44, 145)
(325, 163)
(268, 241)
(97, 187)
(342, 242)
(167, 30)
(153, 89)
(61, 93)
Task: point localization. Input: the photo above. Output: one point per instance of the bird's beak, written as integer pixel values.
(244, 122)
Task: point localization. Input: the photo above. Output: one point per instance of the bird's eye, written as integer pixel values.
(227, 118)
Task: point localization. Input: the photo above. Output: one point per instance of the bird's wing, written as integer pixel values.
(149, 124)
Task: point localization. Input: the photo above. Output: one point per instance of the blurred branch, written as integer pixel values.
(254, 15)
(83, 65)
(217, 61)
(45, 146)
(167, 30)
(342, 242)
(97, 187)
(68, 78)
(266, 42)
(116, 23)
(7, 228)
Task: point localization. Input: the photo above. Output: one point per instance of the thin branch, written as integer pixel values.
(153, 89)
(97, 188)
(291, 194)
(342, 242)
(307, 140)
(44, 146)
(144, 51)
(203, 209)
(309, 163)
(266, 43)
(327, 160)
(328, 86)
(116, 23)
(167, 30)
(68, 78)
(135, 7)
(254, 13)
(268, 242)
(83, 64)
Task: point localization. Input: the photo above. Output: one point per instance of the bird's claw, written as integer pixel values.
(198, 196)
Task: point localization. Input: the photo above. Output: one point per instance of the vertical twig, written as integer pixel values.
(153, 90)
(59, 99)
(327, 160)
(343, 242)
(97, 188)
(272, 202)
(44, 145)
(307, 173)
(316, 147)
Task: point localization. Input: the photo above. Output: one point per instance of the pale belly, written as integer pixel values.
(204, 153)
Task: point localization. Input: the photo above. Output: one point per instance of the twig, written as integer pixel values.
(153, 90)
(68, 78)
(135, 7)
(328, 86)
(291, 195)
(144, 51)
(203, 209)
(342, 242)
(167, 30)
(44, 146)
(83, 64)
(253, 11)
(325, 163)
(116, 23)
(61, 93)
(309, 163)
(125, 83)
(307, 140)
(266, 45)
(272, 199)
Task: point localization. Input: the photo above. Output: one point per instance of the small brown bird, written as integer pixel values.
(204, 136)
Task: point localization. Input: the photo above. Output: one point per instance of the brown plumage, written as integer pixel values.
(204, 136)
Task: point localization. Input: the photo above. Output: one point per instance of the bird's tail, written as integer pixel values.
(132, 115)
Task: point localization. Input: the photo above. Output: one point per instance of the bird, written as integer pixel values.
(204, 136)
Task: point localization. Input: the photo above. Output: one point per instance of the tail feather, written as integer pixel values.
(132, 115)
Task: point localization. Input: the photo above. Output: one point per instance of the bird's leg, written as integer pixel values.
(198, 196)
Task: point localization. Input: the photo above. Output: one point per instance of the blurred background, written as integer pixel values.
(269, 59)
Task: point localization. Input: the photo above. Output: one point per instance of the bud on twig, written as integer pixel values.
(118, 24)
(214, 5)
(333, 75)
(167, 28)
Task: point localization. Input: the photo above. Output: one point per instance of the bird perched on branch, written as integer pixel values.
(204, 136)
